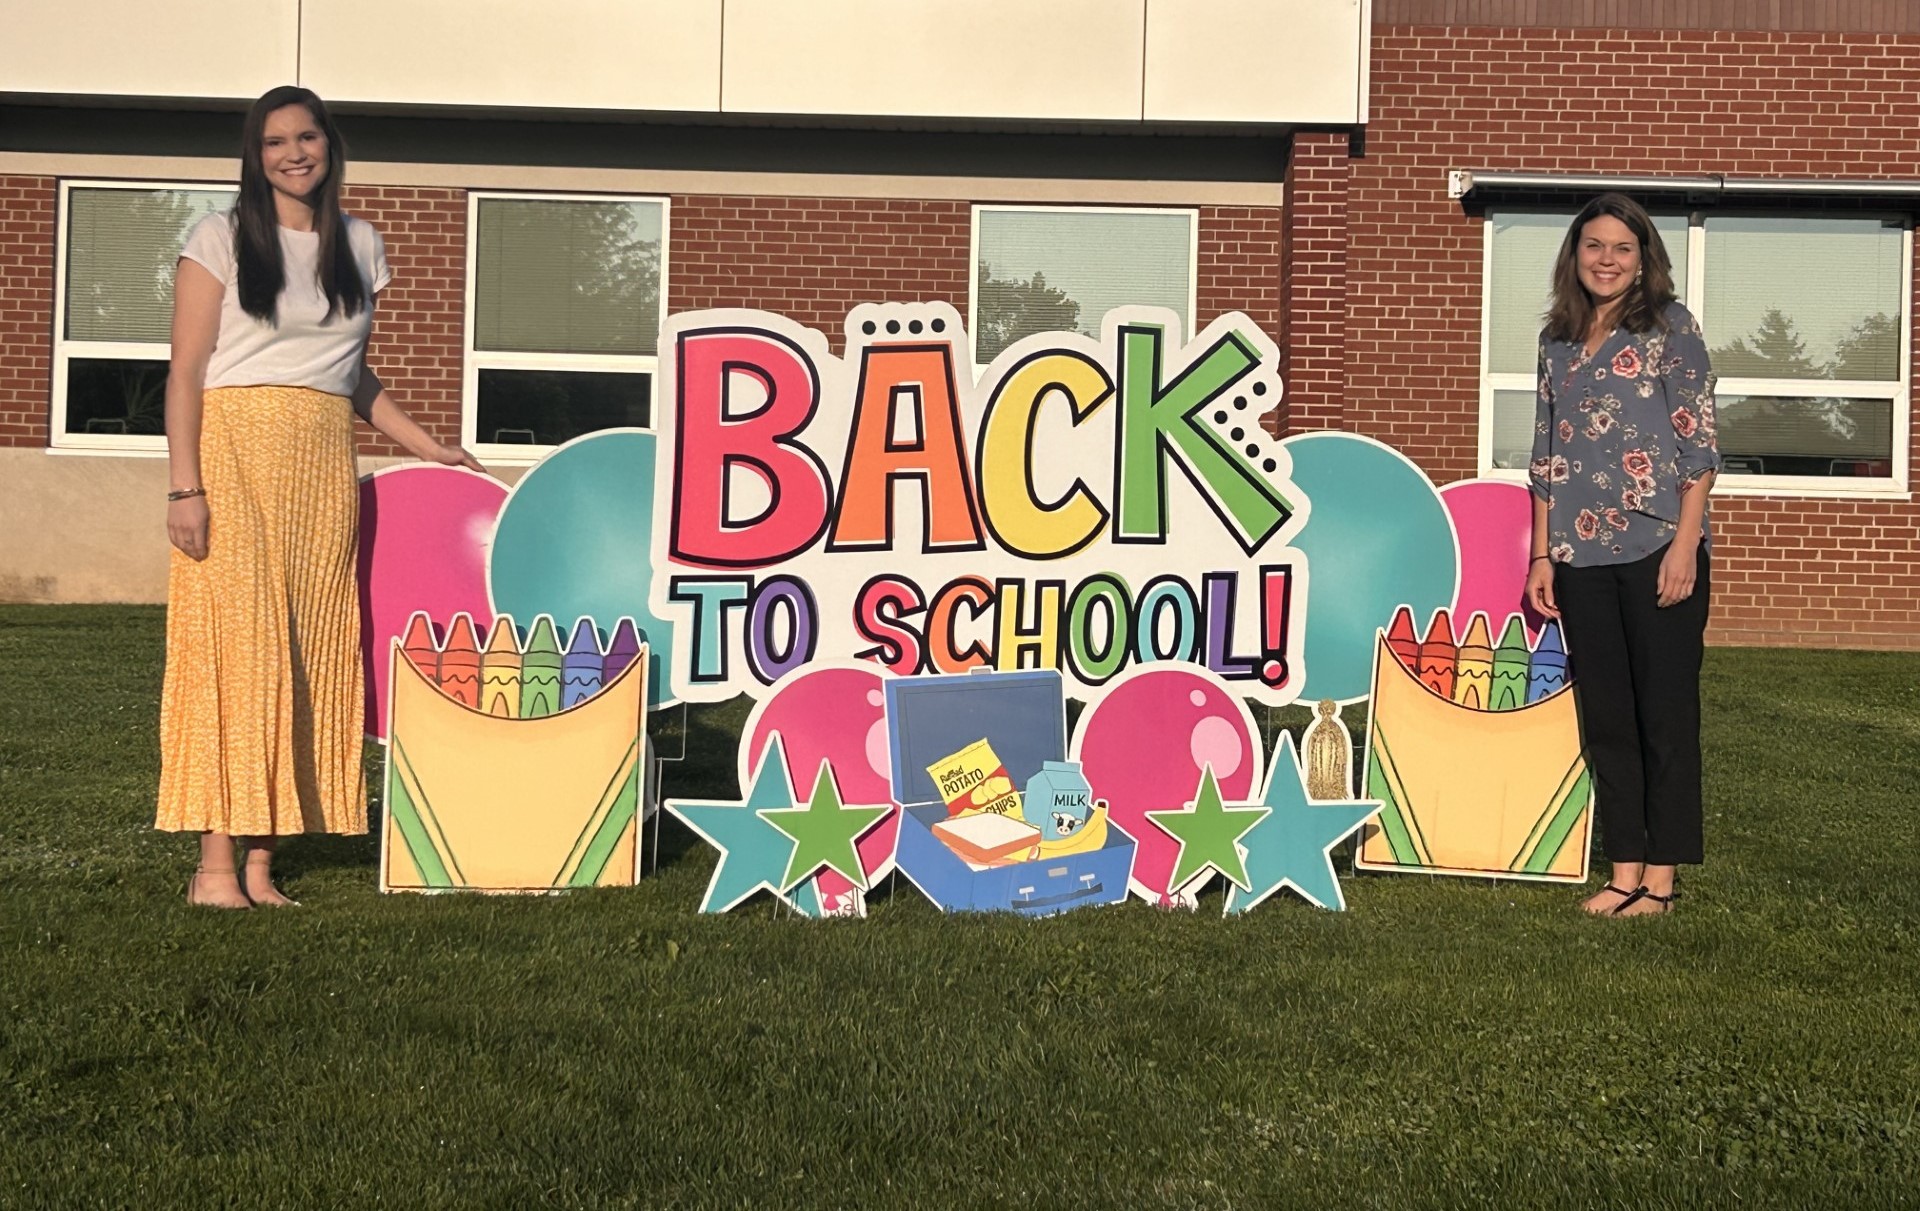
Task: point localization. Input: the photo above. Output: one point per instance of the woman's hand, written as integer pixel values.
(1678, 568)
(187, 526)
(454, 456)
(1540, 588)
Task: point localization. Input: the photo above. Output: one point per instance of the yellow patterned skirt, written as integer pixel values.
(260, 719)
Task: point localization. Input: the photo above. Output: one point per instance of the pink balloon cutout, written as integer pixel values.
(424, 531)
(837, 715)
(1494, 519)
(1143, 746)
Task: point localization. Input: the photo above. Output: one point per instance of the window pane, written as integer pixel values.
(1513, 428)
(1770, 435)
(1062, 271)
(122, 246)
(1524, 245)
(567, 277)
(1806, 298)
(107, 395)
(547, 407)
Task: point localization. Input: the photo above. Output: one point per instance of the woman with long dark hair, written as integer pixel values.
(1623, 459)
(260, 716)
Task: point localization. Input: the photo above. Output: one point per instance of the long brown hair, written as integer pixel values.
(1645, 304)
(256, 237)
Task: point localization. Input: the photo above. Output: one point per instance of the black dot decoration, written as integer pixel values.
(1220, 418)
(1252, 449)
(867, 328)
(939, 325)
(1269, 466)
(893, 327)
(1259, 388)
(913, 326)
(1240, 403)
(1239, 435)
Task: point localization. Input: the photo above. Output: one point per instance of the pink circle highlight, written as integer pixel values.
(1494, 520)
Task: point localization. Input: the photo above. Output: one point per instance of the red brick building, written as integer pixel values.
(1397, 256)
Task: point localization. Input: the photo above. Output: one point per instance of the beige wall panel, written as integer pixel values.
(1074, 59)
(92, 527)
(571, 54)
(1255, 60)
(131, 48)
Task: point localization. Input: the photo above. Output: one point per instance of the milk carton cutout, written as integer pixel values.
(1058, 801)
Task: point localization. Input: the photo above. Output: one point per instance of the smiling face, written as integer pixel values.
(1609, 260)
(293, 153)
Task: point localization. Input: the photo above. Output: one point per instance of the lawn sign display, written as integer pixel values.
(910, 570)
(511, 767)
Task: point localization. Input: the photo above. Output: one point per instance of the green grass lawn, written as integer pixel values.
(1444, 1042)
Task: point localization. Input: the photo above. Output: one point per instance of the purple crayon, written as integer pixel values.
(580, 668)
(1547, 671)
(622, 651)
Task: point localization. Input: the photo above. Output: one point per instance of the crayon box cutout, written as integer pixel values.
(1023, 715)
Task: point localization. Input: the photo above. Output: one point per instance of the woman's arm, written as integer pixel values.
(1539, 590)
(376, 407)
(1688, 378)
(197, 296)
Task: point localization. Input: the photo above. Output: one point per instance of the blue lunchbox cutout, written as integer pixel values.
(1023, 715)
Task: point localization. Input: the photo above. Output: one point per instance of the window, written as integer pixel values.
(563, 317)
(1061, 269)
(118, 246)
(1807, 322)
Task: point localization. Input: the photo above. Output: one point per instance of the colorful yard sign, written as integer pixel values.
(1086, 506)
(490, 797)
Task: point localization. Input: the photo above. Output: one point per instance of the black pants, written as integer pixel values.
(1636, 670)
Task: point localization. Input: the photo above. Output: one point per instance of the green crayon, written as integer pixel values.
(540, 671)
(1510, 667)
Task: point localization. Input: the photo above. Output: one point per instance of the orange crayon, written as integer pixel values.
(459, 676)
(1435, 669)
(1473, 667)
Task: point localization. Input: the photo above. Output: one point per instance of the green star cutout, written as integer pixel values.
(1209, 833)
(823, 832)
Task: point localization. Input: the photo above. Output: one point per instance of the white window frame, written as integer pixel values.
(64, 350)
(473, 361)
(1878, 487)
(1192, 214)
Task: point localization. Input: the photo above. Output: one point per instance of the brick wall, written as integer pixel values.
(1789, 570)
(1315, 271)
(26, 308)
(415, 347)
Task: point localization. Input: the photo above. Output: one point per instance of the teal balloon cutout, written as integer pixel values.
(575, 538)
(1378, 536)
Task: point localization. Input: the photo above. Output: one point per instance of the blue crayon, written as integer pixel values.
(622, 650)
(580, 667)
(1547, 671)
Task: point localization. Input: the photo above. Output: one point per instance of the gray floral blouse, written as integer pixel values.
(1619, 436)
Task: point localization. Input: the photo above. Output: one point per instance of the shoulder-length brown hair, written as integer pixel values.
(256, 237)
(1645, 305)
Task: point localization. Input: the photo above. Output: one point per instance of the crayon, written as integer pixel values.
(540, 671)
(580, 667)
(1401, 639)
(420, 648)
(1510, 666)
(500, 670)
(1547, 672)
(622, 650)
(1437, 656)
(1473, 666)
(460, 663)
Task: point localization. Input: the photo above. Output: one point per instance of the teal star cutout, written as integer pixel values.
(753, 853)
(1293, 846)
(823, 832)
(1209, 833)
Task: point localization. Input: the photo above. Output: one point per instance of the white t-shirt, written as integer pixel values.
(306, 349)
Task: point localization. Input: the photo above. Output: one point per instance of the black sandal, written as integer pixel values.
(1640, 893)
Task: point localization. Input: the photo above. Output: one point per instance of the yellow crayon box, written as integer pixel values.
(975, 780)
